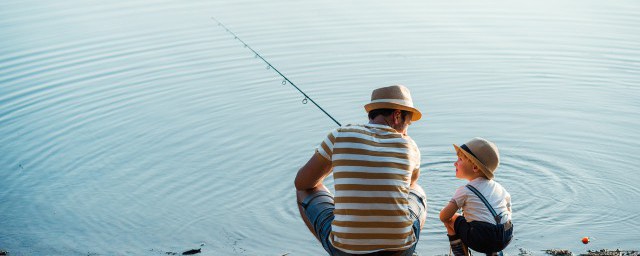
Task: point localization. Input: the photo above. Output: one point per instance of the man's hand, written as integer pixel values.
(313, 172)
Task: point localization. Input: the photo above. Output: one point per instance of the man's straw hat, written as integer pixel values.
(393, 97)
(483, 153)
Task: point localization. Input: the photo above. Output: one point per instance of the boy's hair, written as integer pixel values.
(386, 112)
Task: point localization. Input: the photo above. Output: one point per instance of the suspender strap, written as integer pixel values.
(486, 203)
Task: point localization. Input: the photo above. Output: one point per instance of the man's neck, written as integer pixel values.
(379, 120)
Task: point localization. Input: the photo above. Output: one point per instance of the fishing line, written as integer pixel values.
(269, 66)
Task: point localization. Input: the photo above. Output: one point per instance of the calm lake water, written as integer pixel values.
(142, 127)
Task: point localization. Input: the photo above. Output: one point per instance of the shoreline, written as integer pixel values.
(601, 252)
(523, 252)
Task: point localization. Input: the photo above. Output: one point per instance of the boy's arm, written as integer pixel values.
(448, 211)
(313, 172)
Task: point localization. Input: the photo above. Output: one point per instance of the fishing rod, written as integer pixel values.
(269, 66)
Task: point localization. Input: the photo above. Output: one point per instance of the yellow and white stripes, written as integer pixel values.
(372, 167)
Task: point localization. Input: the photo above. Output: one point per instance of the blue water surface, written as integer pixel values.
(143, 127)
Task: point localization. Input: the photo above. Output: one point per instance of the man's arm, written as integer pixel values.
(313, 172)
(414, 177)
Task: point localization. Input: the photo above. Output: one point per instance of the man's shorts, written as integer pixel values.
(482, 236)
(319, 209)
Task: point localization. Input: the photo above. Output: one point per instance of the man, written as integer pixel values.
(378, 209)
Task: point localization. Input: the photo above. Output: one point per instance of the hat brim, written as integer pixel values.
(378, 105)
(475, 161)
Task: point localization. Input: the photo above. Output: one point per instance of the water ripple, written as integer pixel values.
(136, 127)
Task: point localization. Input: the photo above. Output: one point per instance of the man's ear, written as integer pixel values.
(397, 116)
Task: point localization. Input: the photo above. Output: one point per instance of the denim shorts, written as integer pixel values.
(319, 209)
(482, 236)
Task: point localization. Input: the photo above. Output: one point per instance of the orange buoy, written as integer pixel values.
(585, 240)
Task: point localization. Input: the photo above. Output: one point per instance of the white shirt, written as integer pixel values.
(474, 209)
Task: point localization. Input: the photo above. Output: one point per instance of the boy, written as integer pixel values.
(486, 225)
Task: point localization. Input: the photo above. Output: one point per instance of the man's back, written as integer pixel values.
(372, 169)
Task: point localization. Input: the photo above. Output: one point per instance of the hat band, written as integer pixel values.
(407, 103)
(465, 148)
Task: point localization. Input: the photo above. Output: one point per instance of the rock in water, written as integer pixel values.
(192, 252)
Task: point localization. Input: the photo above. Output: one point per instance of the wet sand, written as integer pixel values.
(602, 252)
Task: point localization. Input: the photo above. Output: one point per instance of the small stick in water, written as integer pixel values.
(192, 252)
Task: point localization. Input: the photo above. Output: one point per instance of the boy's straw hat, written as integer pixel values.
(393, 97)
(483, 153)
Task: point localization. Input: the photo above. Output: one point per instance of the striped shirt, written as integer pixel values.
(372, 168)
